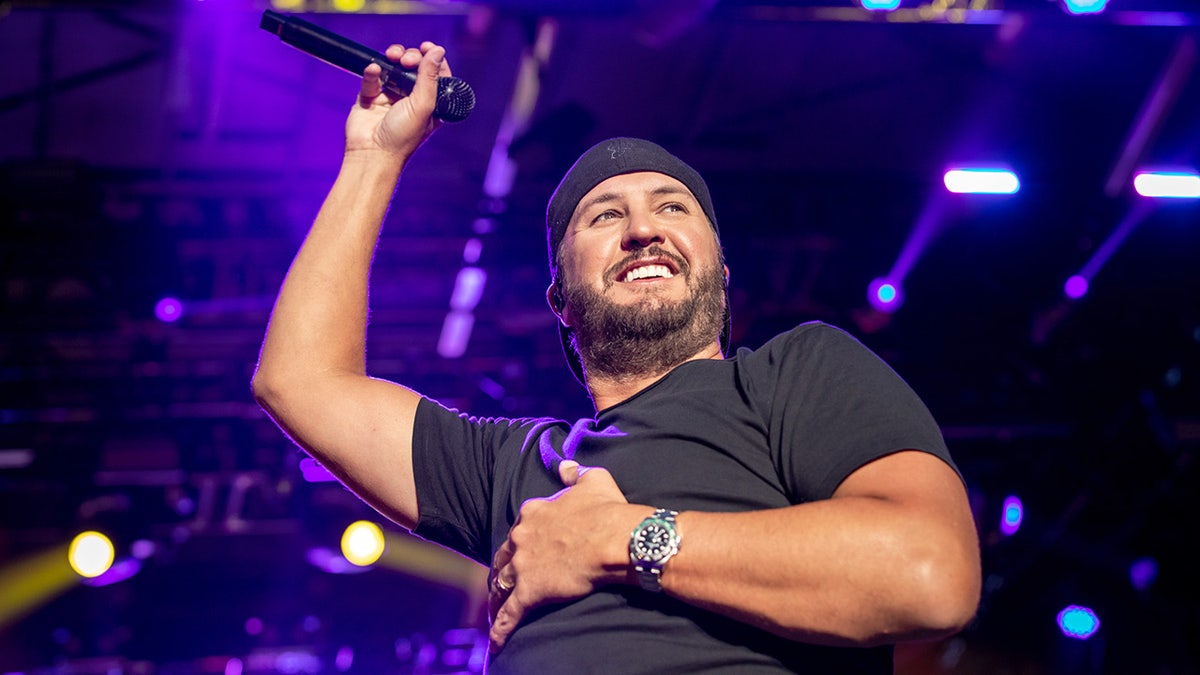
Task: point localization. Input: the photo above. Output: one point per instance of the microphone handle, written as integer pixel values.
(455, 98)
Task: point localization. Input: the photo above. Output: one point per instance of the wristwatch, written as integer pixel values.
(653, 542)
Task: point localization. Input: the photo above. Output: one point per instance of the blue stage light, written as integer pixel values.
(1078, 622)
(884, 5)
(1011, 515)
(885, 295)
(1085, 6)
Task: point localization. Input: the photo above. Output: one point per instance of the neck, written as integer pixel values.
(608, 390)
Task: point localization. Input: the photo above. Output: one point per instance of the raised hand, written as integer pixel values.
(379, 123)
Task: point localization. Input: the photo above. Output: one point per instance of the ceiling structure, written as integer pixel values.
(175, 149)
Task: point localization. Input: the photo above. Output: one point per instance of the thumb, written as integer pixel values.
(425, 89)
(569, 472)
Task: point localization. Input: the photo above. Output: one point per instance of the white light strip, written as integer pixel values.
(982, 181)
(1167, 184)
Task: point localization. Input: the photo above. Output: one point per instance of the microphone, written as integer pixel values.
(455, 98)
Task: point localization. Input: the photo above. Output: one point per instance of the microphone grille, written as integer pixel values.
(455, 100)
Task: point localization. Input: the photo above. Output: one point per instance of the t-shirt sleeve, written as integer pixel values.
(833, 406)
(452, 466)
(472, 473)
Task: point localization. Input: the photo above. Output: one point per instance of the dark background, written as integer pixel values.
(152, 149)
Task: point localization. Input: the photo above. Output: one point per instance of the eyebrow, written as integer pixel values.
(613, 196)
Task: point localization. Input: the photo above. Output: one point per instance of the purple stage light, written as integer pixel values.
(472, 250)
(1078, 622)
(313, 472)
(168, 310)
(456, 333)
(331, 561)
(1076, 287)
(1143, 572)
(885, 295)
(120, 571)
(1011, 515)
(468, 288)
(142, 549)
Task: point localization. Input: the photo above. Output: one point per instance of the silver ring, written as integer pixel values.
(500, 585)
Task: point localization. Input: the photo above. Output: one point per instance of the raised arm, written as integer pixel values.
(311, 376)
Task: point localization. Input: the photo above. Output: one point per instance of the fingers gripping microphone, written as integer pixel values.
(455, 98)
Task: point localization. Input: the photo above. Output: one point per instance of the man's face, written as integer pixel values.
(642, 277)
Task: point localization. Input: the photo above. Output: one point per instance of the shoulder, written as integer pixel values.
(804, 340)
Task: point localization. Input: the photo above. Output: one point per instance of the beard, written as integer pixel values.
(651, 335)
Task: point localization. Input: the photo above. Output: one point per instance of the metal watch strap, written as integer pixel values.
(649, 572)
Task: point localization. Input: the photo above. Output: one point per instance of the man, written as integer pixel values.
(788, 509)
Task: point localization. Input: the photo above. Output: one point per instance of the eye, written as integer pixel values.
(674, 207)
(604, 216)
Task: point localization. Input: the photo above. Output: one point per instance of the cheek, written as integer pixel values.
(700, 249)
(583, 262)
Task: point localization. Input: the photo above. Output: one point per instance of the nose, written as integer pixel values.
(641, 230)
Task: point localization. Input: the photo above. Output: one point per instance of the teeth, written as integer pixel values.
(648, 271)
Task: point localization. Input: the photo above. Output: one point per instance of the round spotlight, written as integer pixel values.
(91, 554)
(1011, 515)
(1076, 287)
(1143, 572)
(1078, 622)
(885, 295)
(362, 543)
(168, 310)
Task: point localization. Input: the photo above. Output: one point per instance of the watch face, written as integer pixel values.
(655, 541)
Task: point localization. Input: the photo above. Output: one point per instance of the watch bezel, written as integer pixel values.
(657, 554)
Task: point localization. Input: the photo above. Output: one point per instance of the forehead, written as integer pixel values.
(629, 185)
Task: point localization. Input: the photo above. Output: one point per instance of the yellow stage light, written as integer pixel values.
(362, 543)
(91, 554)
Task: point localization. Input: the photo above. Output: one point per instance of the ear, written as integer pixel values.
(726, 275)
(555, 300)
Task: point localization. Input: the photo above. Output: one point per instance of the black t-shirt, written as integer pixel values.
(768, 428)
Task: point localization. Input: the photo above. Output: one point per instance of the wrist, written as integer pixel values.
(374, 157)
(617, 568)
(652, 544)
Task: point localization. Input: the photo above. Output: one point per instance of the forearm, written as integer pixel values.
(853, 570)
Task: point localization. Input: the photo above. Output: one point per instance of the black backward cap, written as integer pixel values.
(602, 161)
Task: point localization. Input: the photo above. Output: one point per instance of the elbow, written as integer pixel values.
(265, 388)
(947, 593)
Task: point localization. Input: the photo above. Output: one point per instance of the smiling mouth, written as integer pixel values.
(654, 271)
(649, 265)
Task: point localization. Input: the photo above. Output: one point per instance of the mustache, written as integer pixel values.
(654, 251)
